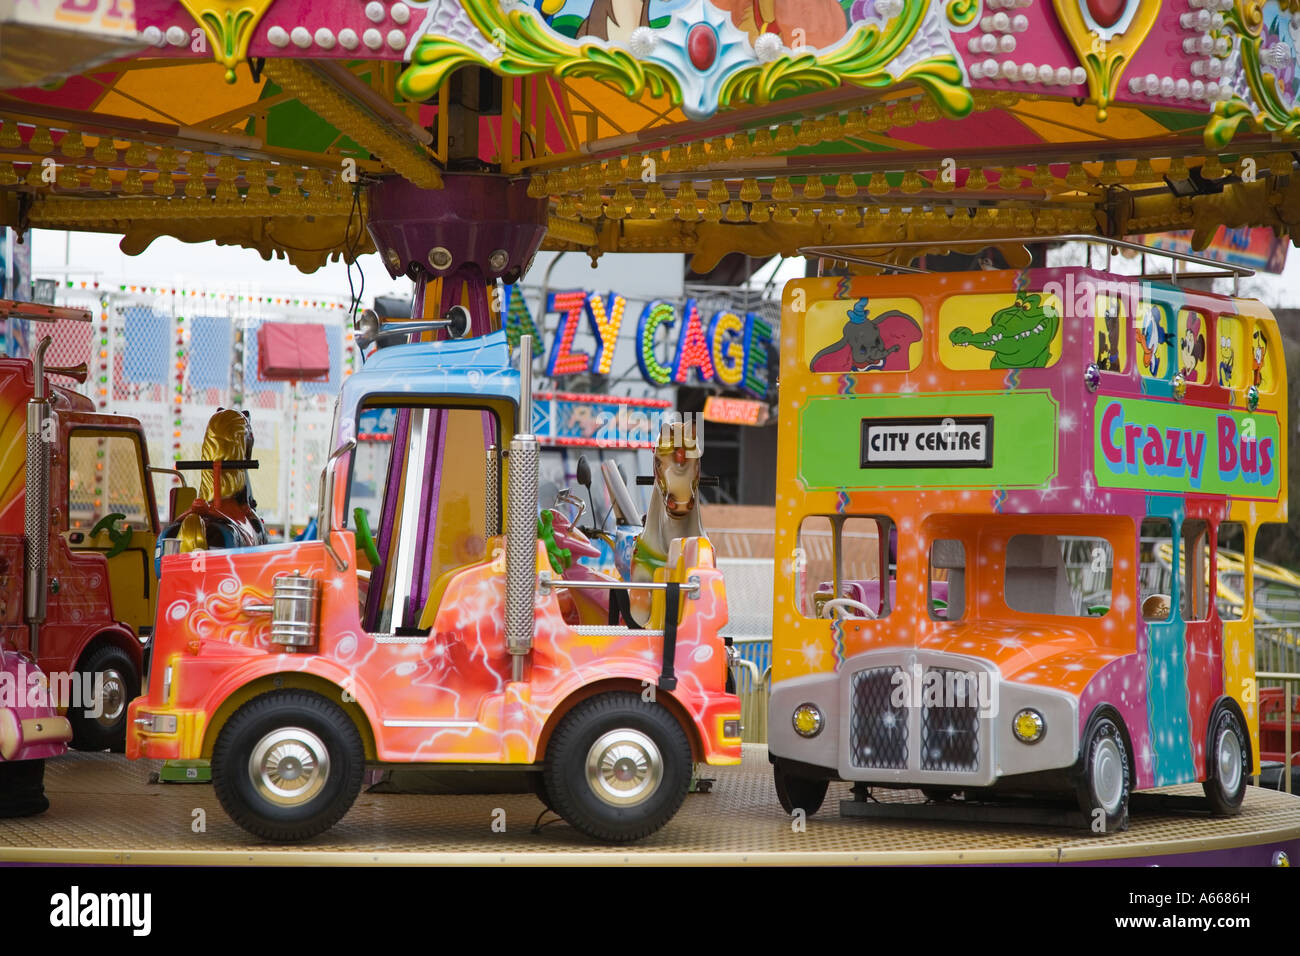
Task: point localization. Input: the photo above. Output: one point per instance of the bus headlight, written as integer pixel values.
(1028, 726)
(807, 720)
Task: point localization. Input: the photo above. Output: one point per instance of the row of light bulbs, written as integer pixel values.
(749, 204)
(689, 206)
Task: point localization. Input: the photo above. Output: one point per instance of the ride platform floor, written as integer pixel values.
(105, 810)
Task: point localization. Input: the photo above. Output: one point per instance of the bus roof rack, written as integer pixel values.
(846, 253)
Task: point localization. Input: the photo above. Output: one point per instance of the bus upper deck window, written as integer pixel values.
(1154, 340)
(1263, 368)
(1194, 336)
(1231, 364)
(947, 596)
(1156, 563)
(1059, 574)
(1111, 322)
(1196, 571)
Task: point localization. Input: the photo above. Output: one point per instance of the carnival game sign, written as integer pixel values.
(1186, 449)
(724, 348)
(597, 421)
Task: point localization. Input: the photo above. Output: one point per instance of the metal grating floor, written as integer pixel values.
(104, 810)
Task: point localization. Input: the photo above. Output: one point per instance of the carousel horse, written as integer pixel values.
(224, 515)
(674, 509)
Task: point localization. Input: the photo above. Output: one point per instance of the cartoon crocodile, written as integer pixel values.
(1019, 336)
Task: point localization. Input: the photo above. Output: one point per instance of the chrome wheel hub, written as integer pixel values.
(1228, 761)
(289, 766)
(624, 767)
(112, 698)
(1108, 776)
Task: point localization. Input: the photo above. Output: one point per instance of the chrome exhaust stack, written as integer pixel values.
(521, 522)
(36, 523)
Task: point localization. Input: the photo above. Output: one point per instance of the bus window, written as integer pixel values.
(1051, 574)
(1230, 546)
(947, 580)
(1193, 333)
(1154, 340)
(863, 335)
(1263, 359)
(842, 559)
(1230, 354)
(1195, 580)
(1000, 330)
(1156, 553)
(868, 545)
(1111, 320)
(814, 564)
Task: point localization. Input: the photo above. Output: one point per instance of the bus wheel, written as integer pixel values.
(796, 792)
(618, 767)
(1227, 761)
(288, 765)
(1103, 777)
(113, 680)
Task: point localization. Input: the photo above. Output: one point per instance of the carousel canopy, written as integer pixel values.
(754, 126)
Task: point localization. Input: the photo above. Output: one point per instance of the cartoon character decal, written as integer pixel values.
(882, 344)
(1108, 344)
(1227, 359)
(1258, 350)
(1191, 349)
(1154, 337)
(1019, 336)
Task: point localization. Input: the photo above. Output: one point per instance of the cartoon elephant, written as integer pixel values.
(870, 345)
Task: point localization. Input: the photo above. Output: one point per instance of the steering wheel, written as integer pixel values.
(846, 604)
(120, 537)
(364, 537)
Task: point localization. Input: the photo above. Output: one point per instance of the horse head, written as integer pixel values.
(677, 471)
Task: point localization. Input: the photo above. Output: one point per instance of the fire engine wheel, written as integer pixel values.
(288, 765)
(618, 767)
(1103, 777)
(1227, 762)
(100, 724)
(796, 792)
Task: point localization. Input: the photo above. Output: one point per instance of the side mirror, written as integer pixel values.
(583, 472)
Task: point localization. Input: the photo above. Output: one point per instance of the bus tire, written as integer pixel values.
(618, 767)
(288, 765)
(1227, 763)
(1103, 775)
(120, 684)
(796, 792)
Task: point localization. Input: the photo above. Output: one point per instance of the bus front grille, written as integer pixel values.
(950, 730)
(878, 728)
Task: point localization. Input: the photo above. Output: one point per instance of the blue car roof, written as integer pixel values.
(477, 368)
